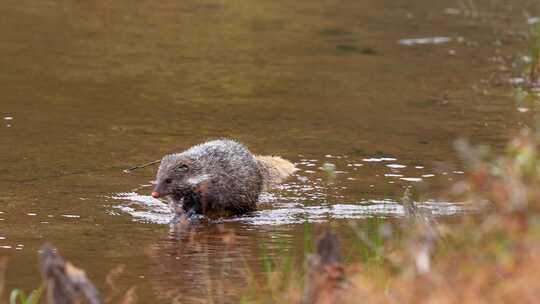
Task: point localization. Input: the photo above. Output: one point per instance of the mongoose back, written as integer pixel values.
(218, 178)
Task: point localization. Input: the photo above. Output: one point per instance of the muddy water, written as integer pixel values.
(379, 89)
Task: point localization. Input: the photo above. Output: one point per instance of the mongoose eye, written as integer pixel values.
(168, 181)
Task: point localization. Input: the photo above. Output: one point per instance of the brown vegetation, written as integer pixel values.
(492, 256)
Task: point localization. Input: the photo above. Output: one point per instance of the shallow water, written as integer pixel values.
(379, 89)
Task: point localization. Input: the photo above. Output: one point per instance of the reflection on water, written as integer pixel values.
(365, 96)
(212, 261)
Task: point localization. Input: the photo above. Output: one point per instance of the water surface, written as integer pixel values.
(379, 89)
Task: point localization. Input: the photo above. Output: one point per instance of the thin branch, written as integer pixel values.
(129, 170)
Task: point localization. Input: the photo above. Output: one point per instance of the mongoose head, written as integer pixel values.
(177, 176)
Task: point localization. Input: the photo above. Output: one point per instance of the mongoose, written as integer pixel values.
(218, 178)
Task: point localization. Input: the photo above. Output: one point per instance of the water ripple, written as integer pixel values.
(147, 209)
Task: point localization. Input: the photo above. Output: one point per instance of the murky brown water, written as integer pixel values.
(90, 88)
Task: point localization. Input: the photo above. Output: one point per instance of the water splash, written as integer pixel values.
(144, 208)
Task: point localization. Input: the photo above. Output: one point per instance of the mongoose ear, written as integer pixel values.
(181, 168)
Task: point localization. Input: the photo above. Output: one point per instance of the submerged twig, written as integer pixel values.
(129, 170)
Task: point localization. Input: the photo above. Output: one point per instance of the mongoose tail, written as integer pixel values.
(274, 170)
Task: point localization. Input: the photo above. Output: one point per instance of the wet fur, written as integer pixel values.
(218, 178)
